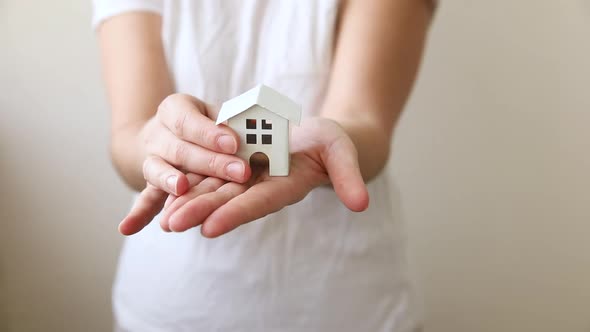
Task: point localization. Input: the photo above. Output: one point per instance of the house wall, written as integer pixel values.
(491, 156)
(277, 153)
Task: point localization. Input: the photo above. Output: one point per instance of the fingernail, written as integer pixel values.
(227, 144)
(235, 170)
(171, 183)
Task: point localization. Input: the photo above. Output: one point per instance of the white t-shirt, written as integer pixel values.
(313, 266)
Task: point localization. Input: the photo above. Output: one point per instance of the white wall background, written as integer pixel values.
(60, 197)
(492, 156)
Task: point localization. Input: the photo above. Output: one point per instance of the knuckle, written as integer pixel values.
(206, 136)
(266, 200)
(211, 184)
(145, 168)
(153, 148)
(211, 137)
(230, 188)
(207, 203)
(218, 182)
(179, 152)
(166, 104)
(179, 124)
(149, 160)
(212, 163)
(194, 179)
(149, 165)
(201, 134)
(154, 140)
(170, 99)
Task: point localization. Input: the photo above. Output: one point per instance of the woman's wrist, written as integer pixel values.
(371, 141)
(128, 153)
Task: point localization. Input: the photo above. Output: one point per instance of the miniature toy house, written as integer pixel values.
(261, 119)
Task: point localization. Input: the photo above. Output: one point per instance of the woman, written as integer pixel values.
(309, 262)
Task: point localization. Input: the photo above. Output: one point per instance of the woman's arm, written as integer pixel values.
(377, 55)
(137, 81)
(158, 136)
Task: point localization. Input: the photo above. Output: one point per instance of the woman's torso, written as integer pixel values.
(313, 266)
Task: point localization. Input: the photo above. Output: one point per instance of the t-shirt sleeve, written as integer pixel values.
(104, 9)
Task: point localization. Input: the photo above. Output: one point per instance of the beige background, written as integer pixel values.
(491, 155)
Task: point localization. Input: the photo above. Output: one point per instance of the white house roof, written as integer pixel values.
(262, 96)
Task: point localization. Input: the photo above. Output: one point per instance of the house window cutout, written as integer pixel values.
(250, 123)
(266, 139)
(251, 139)
(266, 124)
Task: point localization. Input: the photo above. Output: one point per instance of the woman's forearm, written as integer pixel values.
(378, 52)
(127, 155)
(371, 142)
(137, 80)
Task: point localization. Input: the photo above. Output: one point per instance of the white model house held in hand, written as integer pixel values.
(261, 119)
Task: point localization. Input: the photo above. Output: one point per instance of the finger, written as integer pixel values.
(186, 117)
(194, 212)
(341, 161)
(258, 201)
(148, 205)
(198, 160)
(169, 200)
(164, 176)
(193, 180)
(208, 185)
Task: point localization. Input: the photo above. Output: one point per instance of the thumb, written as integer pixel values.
(341, 161)
(146, 207)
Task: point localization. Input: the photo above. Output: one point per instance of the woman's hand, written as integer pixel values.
(377, 52)
(183, 136)
(321, 153)
(183, 146)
